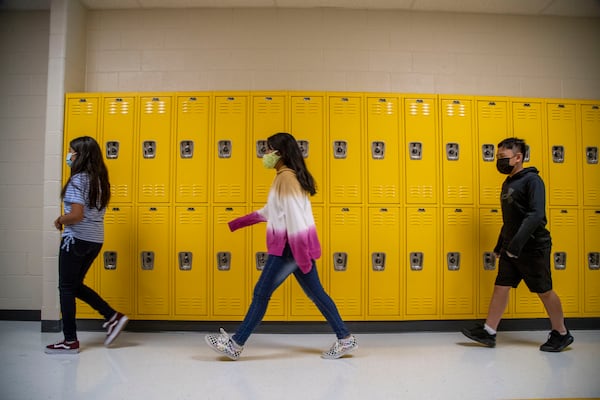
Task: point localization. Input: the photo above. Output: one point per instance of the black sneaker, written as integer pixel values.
(557, 342)
(479, 334)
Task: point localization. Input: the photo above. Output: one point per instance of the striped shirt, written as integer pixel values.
(91, 228)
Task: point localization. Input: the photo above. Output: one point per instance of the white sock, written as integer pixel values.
(488, 329)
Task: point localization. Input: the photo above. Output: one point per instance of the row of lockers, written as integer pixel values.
(378, 263)
(362, 148)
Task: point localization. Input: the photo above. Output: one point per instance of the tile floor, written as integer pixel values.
(179, 365)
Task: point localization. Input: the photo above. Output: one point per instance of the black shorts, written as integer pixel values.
(533, 267)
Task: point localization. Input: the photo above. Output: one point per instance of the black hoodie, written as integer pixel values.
(523, 201)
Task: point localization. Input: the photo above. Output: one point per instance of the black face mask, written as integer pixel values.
(503, 165)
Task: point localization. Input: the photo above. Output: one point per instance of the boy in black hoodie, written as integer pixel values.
(523, 247)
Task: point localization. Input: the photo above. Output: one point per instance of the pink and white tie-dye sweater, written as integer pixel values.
(289, 218)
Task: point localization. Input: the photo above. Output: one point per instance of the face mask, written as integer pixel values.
(503, 165)
(270, 159)
(68, 160)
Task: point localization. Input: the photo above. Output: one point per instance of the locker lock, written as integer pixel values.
(110, 260)
(415, 150)
(149, 147)
(594, 260)
(527, 155)
(112, 150)
(416, 261)
(453, 259)
(558, 154)
(591, 155)
(487, 152)
(452, 151)
(224, 261)
(224, 148)
(147, 260)
(185, 260)
(303, 145)
(261, 260)
(340, 261)
(560, 260)
(261, 148)
(489, 261)
(186, 149)
(340, 149)
(378, 150)
(378, 261)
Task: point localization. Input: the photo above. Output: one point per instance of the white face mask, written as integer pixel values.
(68, 159)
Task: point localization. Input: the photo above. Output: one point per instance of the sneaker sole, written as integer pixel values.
(484, 342)
(120, 325)
(60, 351)
(216, 350)
(328, 357)
(561, 348)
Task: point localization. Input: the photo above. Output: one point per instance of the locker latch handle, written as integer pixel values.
(110, 260)
(340, 149)
(112, 150)
(261, 148)
(340, 261)
(149, 148)
(416, 261)
(453, 259)
(415, 150)
(452, 151)
(594, 260)
(303, 145)
(186, 148)
(185, 260)
(560, 260)
(591, 154)
(378, 262)
(261, 260)
(527, 155)
(558, 154)
(378, 150)
(223, 261)
(147, 258)
(487, 152)
(489, 261)
(224, 148)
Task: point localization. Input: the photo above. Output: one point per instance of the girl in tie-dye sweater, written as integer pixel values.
(292, 245)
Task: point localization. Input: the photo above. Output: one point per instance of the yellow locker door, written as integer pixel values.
(301, 307)
(116, 274)
(230, 126)
(591, 275)
(228, 265)
(258, 257)
(383, 137)
(153, 266)
(458, 172)
(191, 148)
(565, 265)
(118, 133)
(268, 117)
(421, 280)
(345, 155)
(420, 130)
(492, 128)
(490, 223)
(590, 134)
(91, 280)
(346, 277)
(81, 119)
(190, 261)
(527, 120)
(307, 121)
(458, 263)
(154, 147)
(563, 158)
(383, 261)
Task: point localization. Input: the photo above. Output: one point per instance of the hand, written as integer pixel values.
(57, 224)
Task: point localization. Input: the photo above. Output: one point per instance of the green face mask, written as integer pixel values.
(270, 159)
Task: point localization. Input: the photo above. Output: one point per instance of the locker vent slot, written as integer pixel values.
(110, 260)
(560, 260)
(340, 261)
(378, 261)
(185, 260)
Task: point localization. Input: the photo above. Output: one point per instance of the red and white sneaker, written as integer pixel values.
(114, 326)
(63, 347)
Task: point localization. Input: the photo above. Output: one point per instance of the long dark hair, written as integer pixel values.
(89, 161)
(288, 149)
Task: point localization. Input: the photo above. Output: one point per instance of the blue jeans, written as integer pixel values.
(277, 269)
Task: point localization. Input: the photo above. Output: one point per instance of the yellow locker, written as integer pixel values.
(527, 123)
(116, 274)
(345, 149)
(458, 171)
(492, 128)
(591, 251)
(301, 307)
(190, 261)
(118, 135)
(307, 121)
(91, 280)
(230, 127)
(228, 265)
(383, 262)
(81, 119)
(458, 263)
(383, 137)
(590, 134)
(153, 266)
(421, 280)
(563, 161)
(154, 147)
(420, 130)
(565, 265)
(257, 259)
(346, 276)
(191, 148)
(268, 117)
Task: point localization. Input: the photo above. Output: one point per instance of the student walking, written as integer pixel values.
(85, 197)
(292, 245)
(523, 247)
